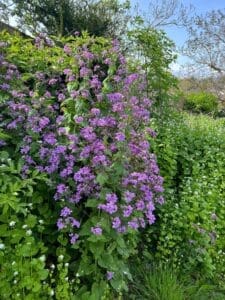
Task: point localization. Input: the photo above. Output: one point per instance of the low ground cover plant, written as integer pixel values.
(190, 151)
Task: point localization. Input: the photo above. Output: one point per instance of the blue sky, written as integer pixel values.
(201, 7)
(178, 35)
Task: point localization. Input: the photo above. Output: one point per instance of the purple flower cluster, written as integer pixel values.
(107, 134)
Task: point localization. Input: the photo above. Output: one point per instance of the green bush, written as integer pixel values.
(70, 114)
(190, 228)
(201, 102)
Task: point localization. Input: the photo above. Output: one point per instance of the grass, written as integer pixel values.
(160, 282)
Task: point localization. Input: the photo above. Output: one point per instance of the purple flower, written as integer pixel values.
(109, 275)
(127, 211)
(74, 238)
(67, 71)
(61, 188)
(84, 174)
(88, 55)
(96, 230)
(150, 217)
(52, 81)
(2, 143)
(84, 72)
(67, 49)
(61, 97)
(129, 196)
(115, 97)
(95, 111)
(78, 119)
(111, 198)
(60, 224)
(50, 138)
(88, 134)
(116, 222)
(65, 212)
(108, 61)
(120, 137)
(25, 149)
(43, 122)
(160, 200)
(74, 94)
(133, 224)
(74, 222)
(131, 78)
(5, 86)
(140, 205)
(118, 107)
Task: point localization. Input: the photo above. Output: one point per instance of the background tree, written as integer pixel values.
(64, 17)
(206, 40)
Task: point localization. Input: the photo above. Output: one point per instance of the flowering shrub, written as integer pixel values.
(76, 115)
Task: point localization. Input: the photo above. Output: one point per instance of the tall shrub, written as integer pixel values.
(79, 117)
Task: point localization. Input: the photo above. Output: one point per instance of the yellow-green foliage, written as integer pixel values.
(201, 102)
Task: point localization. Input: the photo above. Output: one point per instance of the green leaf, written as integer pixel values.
(102, 178)
(92, 203)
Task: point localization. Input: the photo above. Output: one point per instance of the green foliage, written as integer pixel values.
(156, 282)
(201, 102)
(36, 261)
(189, 232)
(47, 262)
(153, 50)
(64, 18)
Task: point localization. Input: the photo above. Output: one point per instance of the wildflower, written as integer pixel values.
(12, 223)
(120, 137)
(109, 275)
(65, 212)
(42, 258)
(61, 257)
(61, 188)
(2, 246)
(73, 238)
(116, 222)
(96, 230)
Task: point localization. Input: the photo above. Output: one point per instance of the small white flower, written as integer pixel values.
(52, 266)
(52, 293)
(61, 257)
(42, 258)
(2, 246)
(66, 278)
(66, 265)
(15, 281)
(30, 204)
(41, 221)
(28, 232)
(13, 263)
(24, 226)
(15, 193)
(15, 273)
(12, 223)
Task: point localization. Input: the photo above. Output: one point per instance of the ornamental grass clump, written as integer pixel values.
(82, 119)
